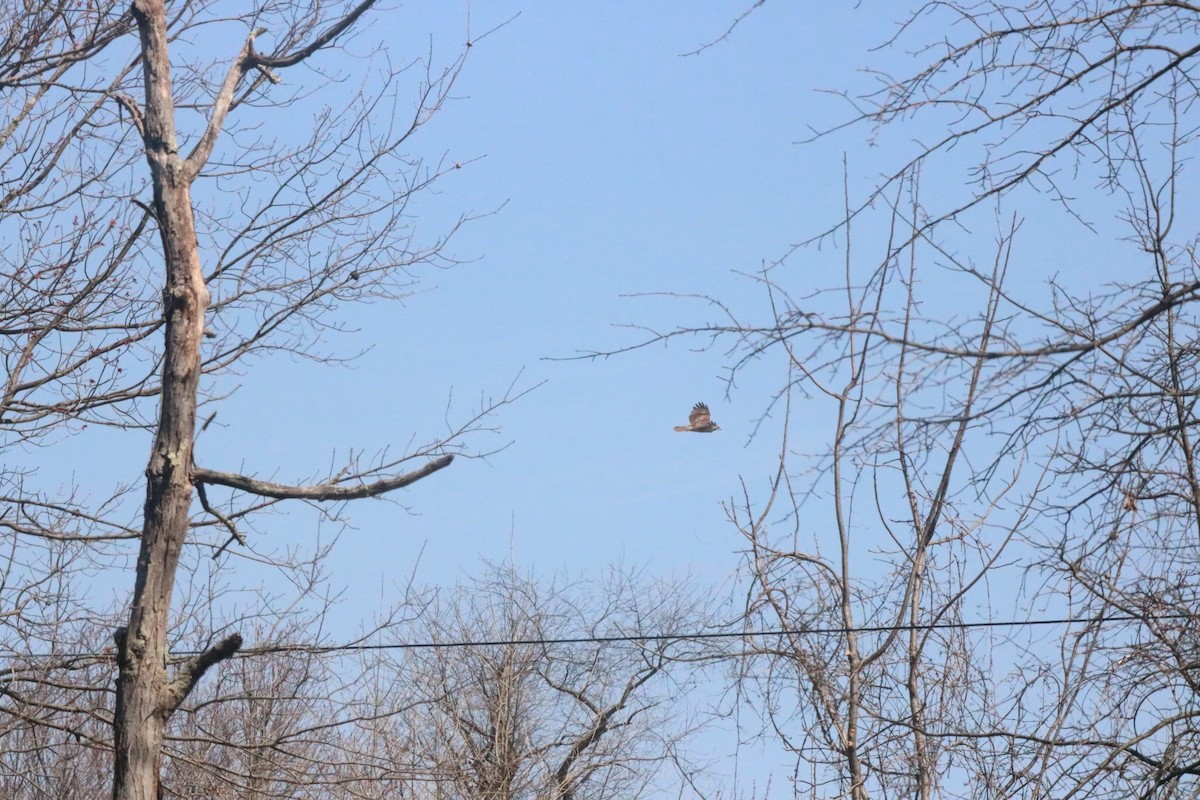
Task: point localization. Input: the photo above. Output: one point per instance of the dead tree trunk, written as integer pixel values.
(145, 696)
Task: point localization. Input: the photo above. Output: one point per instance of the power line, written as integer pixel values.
(660, 637)
(318, 649)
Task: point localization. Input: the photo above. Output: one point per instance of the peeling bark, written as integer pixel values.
(143, 695)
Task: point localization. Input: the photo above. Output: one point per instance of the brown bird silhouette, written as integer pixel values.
(699, 421)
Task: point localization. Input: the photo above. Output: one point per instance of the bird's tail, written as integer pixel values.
(680, 428)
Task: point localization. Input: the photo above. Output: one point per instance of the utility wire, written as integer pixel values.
(247, 652)
(661, 637)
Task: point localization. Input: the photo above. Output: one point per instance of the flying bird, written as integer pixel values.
(699, 421)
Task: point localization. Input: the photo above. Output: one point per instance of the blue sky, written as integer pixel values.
(603, 164)
(606, 164)
(616, 166)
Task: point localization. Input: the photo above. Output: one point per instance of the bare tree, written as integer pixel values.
(531, 709)
(492, 691)
(871, 667)
(119, 154)
(996, 450)
(286, 721)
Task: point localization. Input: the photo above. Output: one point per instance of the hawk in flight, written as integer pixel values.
(699, 421)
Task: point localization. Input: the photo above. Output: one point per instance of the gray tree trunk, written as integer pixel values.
(144, 695)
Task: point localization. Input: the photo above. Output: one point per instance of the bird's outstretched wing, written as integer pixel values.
(699, 421)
